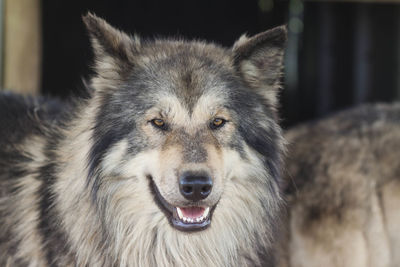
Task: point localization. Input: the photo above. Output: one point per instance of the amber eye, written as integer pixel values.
(159, 123)
(217, 123)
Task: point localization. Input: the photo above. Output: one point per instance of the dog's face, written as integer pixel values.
(187, 117)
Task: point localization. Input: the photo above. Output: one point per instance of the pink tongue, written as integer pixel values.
(192, 212)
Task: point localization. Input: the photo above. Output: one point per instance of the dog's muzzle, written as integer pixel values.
(194, 187)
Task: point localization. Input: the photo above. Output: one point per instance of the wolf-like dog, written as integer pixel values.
(343, 191)
(173, 160)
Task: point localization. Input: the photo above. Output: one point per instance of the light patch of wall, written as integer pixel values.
(22, 46)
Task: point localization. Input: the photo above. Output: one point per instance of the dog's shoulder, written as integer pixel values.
(21, 116)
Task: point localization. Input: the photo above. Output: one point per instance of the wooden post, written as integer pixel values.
(22, 46)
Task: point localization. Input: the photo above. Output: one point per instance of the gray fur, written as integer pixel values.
(343, 190)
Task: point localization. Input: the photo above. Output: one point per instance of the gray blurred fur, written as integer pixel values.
(343, 190)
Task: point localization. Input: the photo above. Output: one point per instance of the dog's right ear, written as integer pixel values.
(113, 49)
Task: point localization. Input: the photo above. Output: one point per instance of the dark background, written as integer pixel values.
(339, 54)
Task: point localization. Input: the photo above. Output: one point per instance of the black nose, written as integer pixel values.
(195, 186)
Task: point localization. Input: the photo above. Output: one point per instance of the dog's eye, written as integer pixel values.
(217, 123)
(159, 123)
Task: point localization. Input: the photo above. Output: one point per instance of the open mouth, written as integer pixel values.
(191, 218)
(188, 218)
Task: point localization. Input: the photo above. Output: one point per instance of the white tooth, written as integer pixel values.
(198, 219)
(178, 210)
(184, 219)
(191, 220)
(205, 214)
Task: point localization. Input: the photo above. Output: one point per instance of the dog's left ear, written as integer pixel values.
(113, 49)
(259, 60)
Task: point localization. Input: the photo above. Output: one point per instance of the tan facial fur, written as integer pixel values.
(187, 131)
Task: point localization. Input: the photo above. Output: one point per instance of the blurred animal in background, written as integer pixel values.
(343, 190)
(173, 160)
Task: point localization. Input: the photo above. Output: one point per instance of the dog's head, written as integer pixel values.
(193, 120)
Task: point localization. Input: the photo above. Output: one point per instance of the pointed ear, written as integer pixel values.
(114, 50)
(259, 60)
